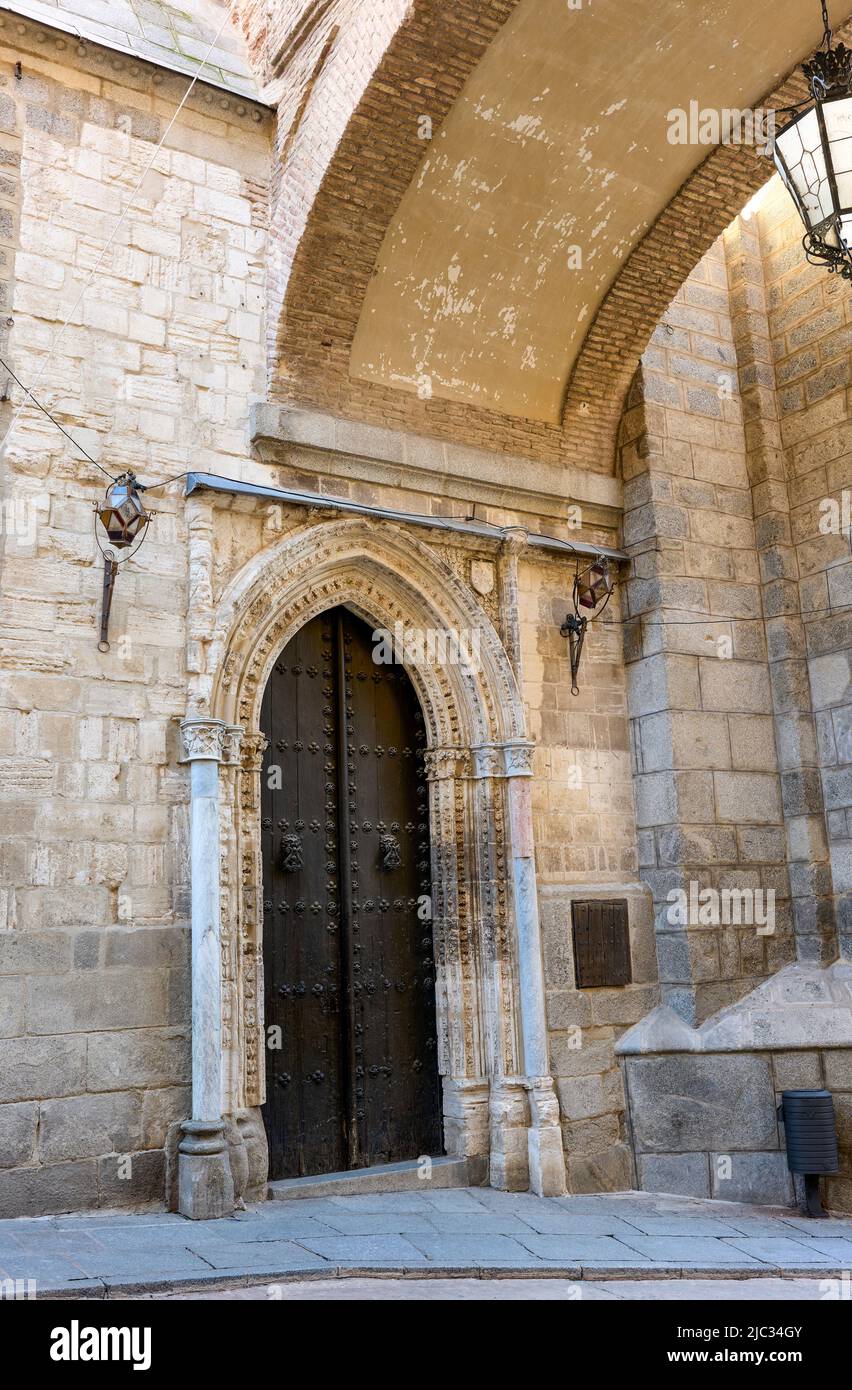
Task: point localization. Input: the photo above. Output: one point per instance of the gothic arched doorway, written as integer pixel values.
(352, 1067)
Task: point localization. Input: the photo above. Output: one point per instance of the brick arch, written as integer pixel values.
(373, 164)
(313, 322)
(649, 280)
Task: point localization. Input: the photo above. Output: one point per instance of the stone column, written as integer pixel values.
(460, 1060)
(205, 1185)
(546, 1154)
(514, 543)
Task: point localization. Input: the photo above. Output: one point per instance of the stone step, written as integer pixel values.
(386, 1177)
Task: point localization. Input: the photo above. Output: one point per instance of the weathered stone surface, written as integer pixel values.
(755, 1177)
(585, 1137)
(801, 1007)
(36, 1067)
(838, 1069)
(86, 1126)
(584, 1097)
(161, 1108)
(108, 999)
(17, 1133)
(12, 1007)
(32, 952)
(687, 1175)
(132, 1179)
(684, 1103)
(661, 1031)
(612, 1170)
(797, 1071)
(147, 947)
(40, 1191)
(141, 1057)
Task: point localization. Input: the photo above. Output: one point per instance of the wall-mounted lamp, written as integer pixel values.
(125, 521)
(593, 589)
(813, 155)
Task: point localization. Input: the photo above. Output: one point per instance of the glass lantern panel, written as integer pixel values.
(800, 149)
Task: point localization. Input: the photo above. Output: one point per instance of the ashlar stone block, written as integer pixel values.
(718, 1102)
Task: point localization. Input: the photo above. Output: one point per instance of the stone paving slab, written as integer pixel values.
(781, 1251)
(459, 1232)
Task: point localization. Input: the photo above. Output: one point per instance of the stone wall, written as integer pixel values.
(585, 838)
(154, 371)
(157, 369)
(735, 457)
(708, 1126)
(704, 1102)
(708, 793)
(810, 330)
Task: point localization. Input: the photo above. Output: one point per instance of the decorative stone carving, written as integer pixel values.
(446, 762)
(482, 576)
(231, 738)
(519, 757)
(202, 738)
(487, 761)
(253, 748)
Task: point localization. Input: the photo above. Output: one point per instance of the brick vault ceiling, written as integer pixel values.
(558, 140)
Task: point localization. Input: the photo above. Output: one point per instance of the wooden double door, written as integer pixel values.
(352, 1072)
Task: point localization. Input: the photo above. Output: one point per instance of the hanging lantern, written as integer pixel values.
(125, 520)
(813, 155)
(594, 585)
(121, 513)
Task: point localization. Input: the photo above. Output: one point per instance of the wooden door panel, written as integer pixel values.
(304, 1108)
(396, 1083)
(348, 955)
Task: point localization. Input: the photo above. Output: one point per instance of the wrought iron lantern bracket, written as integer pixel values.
(574, 628)
(593, 589)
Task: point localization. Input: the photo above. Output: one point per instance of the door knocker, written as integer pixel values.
(292, 854)
(389, 851)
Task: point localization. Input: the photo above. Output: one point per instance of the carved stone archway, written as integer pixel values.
(499, 1102)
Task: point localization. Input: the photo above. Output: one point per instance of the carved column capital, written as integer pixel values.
(202, 739)
(443, 763)
(518, 758)
(232, 736)
(515, 539)
(487, 761)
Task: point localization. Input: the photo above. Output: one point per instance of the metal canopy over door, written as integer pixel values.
(347, 947)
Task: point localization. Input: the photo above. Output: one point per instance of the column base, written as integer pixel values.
(466, 1116)
(544, 1137)
(510, 1117)
(205, 1184)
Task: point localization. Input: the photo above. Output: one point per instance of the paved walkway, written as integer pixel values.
(471, 1231)
(518, 1291)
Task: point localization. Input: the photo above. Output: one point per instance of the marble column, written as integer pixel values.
(205, 1185)
(546, 1155)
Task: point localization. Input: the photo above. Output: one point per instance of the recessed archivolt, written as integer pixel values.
(386, 576)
